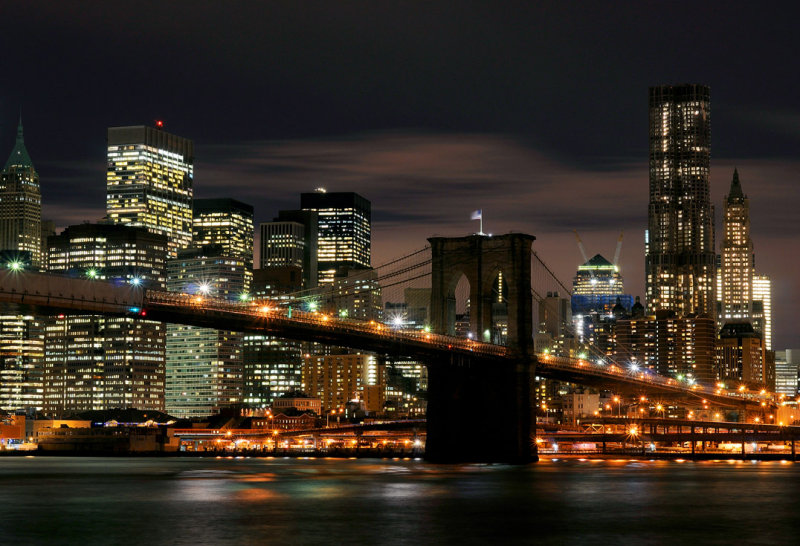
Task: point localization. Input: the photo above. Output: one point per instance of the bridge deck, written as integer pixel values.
(49, 292)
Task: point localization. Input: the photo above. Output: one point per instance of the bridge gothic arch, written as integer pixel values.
(483, 259)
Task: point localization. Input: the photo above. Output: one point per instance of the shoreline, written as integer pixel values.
(383, 454)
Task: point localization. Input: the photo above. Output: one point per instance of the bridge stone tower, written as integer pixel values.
(480, 259)
(478, 409)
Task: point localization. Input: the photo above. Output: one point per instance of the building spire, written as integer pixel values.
(736, 195)
(19, 154)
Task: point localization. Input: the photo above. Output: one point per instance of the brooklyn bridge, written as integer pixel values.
(497, 372)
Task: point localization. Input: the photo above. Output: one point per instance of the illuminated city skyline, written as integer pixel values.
(428, 128)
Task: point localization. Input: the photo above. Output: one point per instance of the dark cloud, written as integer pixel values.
(534, 111)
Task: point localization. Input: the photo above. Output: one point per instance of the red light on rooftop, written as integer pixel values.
(159, 124)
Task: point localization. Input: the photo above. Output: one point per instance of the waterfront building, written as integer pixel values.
(97, 362)
(204, 365)
(338, 379)
(21, 205)
(297, 401)
(290, 240)
(344, 228)
(679, 243)
(149, 182)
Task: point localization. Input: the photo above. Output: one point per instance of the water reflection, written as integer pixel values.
(324, 501)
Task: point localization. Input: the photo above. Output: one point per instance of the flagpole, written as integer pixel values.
(481, 232)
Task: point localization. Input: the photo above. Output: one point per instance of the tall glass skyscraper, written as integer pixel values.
(21, 204)
(204, 365)
(679, 244)
(149, 182)
(343, 234)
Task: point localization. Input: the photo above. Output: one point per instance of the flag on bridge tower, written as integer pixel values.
(478, 215)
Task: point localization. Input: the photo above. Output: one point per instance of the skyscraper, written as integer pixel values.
(343, 233)
(787, 366)
(598, 299)
(98, 362)
(679, 243)
(290, 240)
(743, 295)
(596, 287)
(272, 366)
(204, 365)
(667, 344)
(21, 361)
(762, 308)
(741, 356)
(736, 266)
(227, 223)
(21, 204)
(149, 182)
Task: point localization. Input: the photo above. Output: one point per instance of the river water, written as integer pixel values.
(49, 500)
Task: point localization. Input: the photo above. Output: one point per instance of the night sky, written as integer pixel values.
(535, 112)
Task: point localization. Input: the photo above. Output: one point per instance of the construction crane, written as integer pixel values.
(580, 246)
(618, 250)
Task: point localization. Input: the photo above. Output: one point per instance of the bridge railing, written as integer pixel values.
(265, 310)
(614, 370)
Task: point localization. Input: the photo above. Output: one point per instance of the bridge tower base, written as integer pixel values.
(480, 413)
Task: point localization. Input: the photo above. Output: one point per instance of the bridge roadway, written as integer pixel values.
(54, 293)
